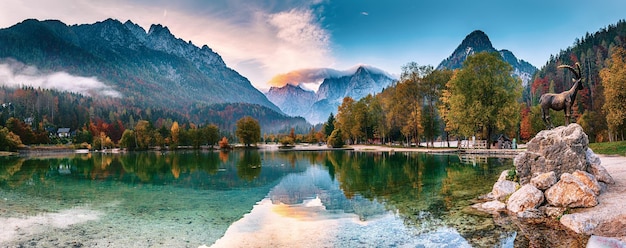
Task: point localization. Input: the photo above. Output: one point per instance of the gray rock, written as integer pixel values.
(589, 180)
(530, 213)
(594, 166)
(544, 181)
(579, 224)
(502, 189)
(490, 207)
(562, 150)
(553, 212)
(503, 175)
(528, 197)
(570, 192)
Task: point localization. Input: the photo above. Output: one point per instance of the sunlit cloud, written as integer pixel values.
(15, 74)
(365, 13)
(311, 78)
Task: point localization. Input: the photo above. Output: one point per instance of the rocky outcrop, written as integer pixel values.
(563, 149)
(558, 174)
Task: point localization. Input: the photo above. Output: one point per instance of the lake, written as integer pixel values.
(248, 198)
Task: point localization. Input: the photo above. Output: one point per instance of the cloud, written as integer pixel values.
(16, 74)
(365, 13)
(311, 78)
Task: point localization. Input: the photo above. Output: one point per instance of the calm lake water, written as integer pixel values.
(248, 199)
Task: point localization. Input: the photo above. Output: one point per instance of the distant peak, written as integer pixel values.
(158, 29)
(477, 39)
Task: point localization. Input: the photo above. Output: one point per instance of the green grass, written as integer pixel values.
(609, 148)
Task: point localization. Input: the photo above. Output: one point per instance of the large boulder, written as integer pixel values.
(571, 192)
(528, 197)
(562, 150)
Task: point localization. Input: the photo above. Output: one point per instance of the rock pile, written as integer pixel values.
(558, 171)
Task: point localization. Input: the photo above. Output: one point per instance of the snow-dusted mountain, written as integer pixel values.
(315, 107)
(477, 41)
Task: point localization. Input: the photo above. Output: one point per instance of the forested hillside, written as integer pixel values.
(44, 111)
(593, 52)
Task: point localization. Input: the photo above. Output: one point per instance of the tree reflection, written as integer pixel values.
(249, 165)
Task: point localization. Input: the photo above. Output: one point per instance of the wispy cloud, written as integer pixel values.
(365, 13)
(15, 74)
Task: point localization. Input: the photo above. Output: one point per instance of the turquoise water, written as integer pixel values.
(247, 199)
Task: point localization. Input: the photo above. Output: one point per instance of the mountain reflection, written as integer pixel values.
(426, 191)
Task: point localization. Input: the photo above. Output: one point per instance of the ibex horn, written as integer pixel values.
(577, 73)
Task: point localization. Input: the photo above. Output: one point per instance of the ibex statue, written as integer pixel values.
(562, 101)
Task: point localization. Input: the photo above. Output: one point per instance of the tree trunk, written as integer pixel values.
(488, 139)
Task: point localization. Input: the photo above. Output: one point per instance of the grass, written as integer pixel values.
(609, 148)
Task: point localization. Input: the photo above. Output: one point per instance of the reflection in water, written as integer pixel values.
(256, 198)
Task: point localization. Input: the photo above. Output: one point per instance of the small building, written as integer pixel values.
(63, 132)
(503, 142)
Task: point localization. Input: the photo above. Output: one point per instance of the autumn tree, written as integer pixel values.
(144, 134)
(248, 130)
(8, 140)
(614, 82)
(175, 133)
(128, 140)
(483, 96)
(345, 118)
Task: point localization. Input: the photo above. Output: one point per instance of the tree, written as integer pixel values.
(128, 140)
(175, 133)
(335, 140)
(329, 126)
(145, 133)
(614, 82)
(8, 140)
(431, 91)
(212, 134)
(483, 96)
(346, 118)
(248, 130)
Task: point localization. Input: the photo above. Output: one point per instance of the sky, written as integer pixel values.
(262, 39)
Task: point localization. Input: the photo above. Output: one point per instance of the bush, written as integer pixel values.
(335, 140)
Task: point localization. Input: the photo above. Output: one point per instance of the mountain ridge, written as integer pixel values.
(315, 107)
(153, 68)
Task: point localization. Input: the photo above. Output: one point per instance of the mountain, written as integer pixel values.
(476, 42)
(147, 68)
(315, 107)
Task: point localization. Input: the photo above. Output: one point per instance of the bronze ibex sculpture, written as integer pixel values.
(561, 101)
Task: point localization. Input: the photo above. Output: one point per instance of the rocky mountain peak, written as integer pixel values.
(476, 42)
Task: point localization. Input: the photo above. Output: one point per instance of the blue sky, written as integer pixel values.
(263, 38)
